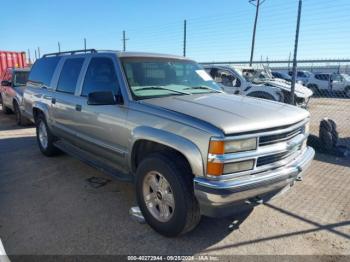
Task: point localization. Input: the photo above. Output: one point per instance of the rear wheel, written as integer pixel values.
(44, 137)
(164, 189)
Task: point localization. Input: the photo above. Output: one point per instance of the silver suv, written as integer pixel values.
(163, 123)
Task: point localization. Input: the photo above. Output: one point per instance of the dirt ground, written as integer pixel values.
(47, 206)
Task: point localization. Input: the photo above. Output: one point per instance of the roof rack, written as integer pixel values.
(72, 52)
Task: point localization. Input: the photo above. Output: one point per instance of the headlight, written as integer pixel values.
(233, 146)
(220, 147)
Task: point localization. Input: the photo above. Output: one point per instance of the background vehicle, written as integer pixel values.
(281, 76)
(233, 81)
(257, 83)
(302, 76)
(322, 83)
(12, 85)
(160, 121)
(10, 59)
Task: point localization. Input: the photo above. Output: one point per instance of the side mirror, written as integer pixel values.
(102, 98)
(5, 83)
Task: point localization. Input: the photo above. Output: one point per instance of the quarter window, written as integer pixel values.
(69, 75)
(100, 76)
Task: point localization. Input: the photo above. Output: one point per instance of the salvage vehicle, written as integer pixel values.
(161, 122)
(322, 83)
(259, 83)
(12, 85)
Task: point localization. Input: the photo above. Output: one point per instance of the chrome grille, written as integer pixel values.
(272, 139)
(266, 160)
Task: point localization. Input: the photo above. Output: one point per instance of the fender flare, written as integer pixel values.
(42, 107)
(178, 143)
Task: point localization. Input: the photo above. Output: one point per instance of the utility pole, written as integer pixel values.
(257, 4)
(185, 38)
(85, 44)
(59, 47)
(35, 54)
(39, 52)
(295, 54)
(124, 40)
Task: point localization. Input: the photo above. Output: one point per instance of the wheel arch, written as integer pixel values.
(40, 108)
(148, 140)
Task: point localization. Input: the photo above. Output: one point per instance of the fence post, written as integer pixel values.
(295, 55)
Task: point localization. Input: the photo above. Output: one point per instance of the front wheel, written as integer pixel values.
(44, 137)
(164, 190)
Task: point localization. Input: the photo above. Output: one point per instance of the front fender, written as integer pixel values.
(181, 144)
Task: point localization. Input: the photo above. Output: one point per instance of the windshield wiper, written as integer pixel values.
(160, 88)
(202, 88)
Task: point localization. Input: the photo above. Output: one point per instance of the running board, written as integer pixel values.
(92, 160)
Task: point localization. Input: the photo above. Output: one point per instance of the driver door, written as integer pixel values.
(101, 129)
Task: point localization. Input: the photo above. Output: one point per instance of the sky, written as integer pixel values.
(217, 30)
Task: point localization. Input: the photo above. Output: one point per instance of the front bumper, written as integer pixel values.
(226, 197)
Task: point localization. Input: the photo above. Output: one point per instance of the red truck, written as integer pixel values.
(10, 59)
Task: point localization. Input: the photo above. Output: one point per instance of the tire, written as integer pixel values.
(184, 214)
(347, 91)
(260, 94)
(46, 146)
(20, 119)
(314, 89)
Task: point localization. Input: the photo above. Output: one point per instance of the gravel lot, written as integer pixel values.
(47, 206)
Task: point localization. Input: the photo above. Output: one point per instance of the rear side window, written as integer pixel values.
(43, 70)
(69, 75)
(100, 76)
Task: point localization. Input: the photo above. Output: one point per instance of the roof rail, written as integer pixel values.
(73, 52)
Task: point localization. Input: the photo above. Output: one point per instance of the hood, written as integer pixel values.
(300, 90)
(230, 113)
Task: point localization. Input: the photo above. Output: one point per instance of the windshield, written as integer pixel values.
(256, 75)
(157, 77)
(20, 78)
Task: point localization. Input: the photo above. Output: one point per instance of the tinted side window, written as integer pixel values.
(100, 76)
(43, 70)
(69, 75)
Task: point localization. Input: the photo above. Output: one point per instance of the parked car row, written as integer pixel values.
(161, 122)
(321, 83)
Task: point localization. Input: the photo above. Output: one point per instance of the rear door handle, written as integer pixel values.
(78, 107)
(53, 100)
